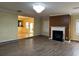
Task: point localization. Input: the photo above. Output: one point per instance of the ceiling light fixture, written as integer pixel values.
(38, 8)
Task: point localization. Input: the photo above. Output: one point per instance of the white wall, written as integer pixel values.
(8, 27)
(45, 26)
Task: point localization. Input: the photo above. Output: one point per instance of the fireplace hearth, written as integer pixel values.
(57, 35)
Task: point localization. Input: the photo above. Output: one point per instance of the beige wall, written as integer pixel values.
(37, 26)
(45, 26)
(8, 27)
(74, 36)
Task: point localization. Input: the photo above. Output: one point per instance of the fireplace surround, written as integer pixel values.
(59, 29)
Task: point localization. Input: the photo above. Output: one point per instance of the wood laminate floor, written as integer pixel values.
(39, 46)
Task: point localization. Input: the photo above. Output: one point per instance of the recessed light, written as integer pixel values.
(19, 10)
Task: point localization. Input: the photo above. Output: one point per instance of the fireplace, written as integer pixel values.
(57, 35)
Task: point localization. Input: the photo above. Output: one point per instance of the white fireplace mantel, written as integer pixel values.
(58, 28)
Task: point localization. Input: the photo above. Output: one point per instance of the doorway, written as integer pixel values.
(25, 27)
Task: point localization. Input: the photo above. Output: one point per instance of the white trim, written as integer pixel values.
(1, 41)
(58, 29)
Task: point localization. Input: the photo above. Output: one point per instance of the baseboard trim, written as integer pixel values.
(8, 42)
(14, 41)
(74, 41)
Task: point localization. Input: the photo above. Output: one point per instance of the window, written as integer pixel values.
(31, 27)
(27, 25)
(77, 27)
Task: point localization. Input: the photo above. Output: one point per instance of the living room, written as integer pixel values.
(55, 27)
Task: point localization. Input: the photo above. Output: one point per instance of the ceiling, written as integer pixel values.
(52, 8)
